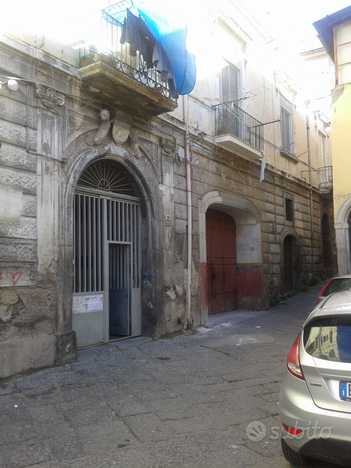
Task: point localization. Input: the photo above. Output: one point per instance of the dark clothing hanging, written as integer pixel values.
(137, 34)
(139, 37)
(130, 33)
(147, 43)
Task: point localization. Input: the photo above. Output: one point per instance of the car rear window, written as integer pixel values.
(329, 339)
(337, 284)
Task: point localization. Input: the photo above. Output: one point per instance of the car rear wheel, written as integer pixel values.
(292, 456)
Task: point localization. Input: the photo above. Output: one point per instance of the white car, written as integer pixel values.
(315, 399)
(338, 283)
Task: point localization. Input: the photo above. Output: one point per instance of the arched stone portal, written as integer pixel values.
(106, 289)
(290, 265)
(248, 249)
(342, 232)
(132, 246)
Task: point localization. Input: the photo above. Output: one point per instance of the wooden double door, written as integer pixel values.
(221, 262)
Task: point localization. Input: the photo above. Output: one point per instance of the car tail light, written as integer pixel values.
(291, 430)
(322, 291)
(293, 360)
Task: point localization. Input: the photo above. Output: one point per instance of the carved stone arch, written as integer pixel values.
(289, 235)
(144, 175)
(342, 232)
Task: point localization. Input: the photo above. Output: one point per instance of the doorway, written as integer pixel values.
(221, 262)
(119, 290)
(106, 294)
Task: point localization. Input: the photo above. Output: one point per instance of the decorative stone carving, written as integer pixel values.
(134, 144)
(101, 134)
(120, 132)
(49, 96)
(169, 149)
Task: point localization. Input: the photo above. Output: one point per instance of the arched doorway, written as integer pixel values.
(106, 290)
(221, 262)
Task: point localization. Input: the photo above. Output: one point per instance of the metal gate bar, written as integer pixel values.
(88, 244)
(122, 225)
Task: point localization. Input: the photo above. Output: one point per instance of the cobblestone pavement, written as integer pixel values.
(179, 402)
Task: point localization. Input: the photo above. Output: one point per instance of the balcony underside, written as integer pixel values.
(234, 145)
(123, 91)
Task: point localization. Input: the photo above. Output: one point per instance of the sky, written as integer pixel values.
(289, 20)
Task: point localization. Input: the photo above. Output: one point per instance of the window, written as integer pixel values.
(329, 339)
(321, 149)
(230, 112)
(286, 126)
(229, 83)
(289, 209)
(343, 53)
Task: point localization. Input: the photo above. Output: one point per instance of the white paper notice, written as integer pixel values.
(93, 302)
(83, 304)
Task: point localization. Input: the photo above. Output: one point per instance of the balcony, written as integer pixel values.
(108, 70)
(238, 132)
(325, 178)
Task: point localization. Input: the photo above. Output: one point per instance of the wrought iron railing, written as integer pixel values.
(325, 176)
(109, 49)
(231, 119)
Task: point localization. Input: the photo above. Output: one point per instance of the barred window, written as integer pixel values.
(289, 209)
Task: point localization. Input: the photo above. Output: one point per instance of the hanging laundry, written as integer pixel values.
(147, 42)
(169, 29)
(138, 35)
(130, 33)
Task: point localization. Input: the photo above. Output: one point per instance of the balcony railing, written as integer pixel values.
(107, 51)
(325, 177)
(232, 120)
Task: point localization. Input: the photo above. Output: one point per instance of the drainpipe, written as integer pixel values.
(189, 211)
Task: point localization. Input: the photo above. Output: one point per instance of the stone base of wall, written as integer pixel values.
(24, 354)
(66, 347)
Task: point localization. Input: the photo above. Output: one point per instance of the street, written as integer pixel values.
(185, 401)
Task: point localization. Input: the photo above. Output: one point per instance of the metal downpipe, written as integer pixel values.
(189, 209)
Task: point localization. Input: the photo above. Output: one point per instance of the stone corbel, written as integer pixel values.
(169, 149)
(134, 144)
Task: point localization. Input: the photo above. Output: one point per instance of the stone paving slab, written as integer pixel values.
(186, 401)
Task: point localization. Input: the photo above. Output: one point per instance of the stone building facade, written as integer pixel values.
(125, 211)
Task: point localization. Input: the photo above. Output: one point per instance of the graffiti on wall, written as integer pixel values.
(11, 277)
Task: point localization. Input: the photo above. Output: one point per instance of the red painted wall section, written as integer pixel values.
(249, 283)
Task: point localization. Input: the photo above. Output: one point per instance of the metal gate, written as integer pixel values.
(221, 262)
(106, 298)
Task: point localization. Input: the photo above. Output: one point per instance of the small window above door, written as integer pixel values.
(108, 176)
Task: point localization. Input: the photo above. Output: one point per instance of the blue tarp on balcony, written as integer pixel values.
(170, 30)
